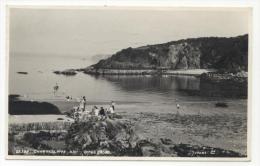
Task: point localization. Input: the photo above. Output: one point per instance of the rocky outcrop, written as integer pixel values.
(199, 53)
(69, 72)
(119, 71)
(110, 136)
(104, 137)
(22, 72)
(22, 107)
(224, 84)
(161, 71)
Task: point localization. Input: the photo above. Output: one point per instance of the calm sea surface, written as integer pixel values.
(40, 80)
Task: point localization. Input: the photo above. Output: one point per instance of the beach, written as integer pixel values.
(196, 123)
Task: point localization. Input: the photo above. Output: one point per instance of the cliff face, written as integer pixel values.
(213, 52)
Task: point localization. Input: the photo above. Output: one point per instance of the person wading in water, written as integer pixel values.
(55, 89)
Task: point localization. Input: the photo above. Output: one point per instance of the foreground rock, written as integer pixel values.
(114, 137)
(218, 77)
(22, 72)
(97, 136)
(22, 107)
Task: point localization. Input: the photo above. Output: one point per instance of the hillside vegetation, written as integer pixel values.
(197, 53)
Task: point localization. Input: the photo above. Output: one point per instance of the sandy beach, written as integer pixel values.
(196, 122)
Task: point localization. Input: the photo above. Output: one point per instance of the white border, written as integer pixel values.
(231, 3)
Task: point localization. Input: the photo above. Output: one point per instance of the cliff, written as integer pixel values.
(228, 54)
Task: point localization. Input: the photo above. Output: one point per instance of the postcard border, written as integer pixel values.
(104, 158)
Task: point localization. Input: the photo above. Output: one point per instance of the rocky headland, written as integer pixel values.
(218, 53)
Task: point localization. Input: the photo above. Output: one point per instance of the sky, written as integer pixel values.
(98, 31)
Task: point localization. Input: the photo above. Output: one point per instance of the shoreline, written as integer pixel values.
(206, 74)
(188, 72)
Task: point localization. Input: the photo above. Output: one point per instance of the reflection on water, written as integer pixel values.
(104, 88)
(225, 88)
(178, 86)
(155, 83)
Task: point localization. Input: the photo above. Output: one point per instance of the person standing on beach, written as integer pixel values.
(178, 108)
(113, 105)
(84, 101)
(111, 110)
(82, 104)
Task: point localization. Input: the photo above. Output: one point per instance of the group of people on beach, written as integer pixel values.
(81, 113)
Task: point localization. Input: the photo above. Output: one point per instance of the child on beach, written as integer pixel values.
(76, 113)
(82, 103)
(102, 112)
(178, 106)
(85, 115)
(95, 111)
(67, 98)
(111, 110)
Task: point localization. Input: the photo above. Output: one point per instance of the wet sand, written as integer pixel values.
(198, 123)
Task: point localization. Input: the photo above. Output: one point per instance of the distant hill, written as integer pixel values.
(229, 54)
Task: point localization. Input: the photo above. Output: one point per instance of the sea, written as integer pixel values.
(162, 92)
